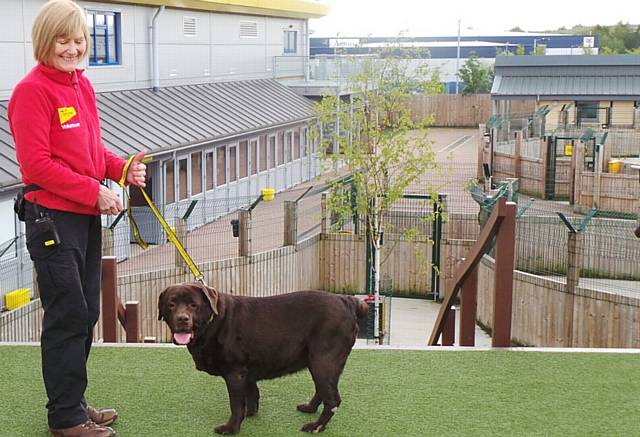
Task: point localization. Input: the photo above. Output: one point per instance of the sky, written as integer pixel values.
(477, 17)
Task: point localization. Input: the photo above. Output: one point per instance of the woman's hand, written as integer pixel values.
(137, 171)
(108, 201)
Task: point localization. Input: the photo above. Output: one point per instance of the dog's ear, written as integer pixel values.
(161, 303)
(212, 296)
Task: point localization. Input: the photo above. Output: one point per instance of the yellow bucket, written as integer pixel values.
(268, 193)
(17, 298)
(615, 166)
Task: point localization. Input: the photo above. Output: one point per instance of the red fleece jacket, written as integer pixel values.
(53, 118)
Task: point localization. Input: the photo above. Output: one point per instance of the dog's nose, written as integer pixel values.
(182, 318)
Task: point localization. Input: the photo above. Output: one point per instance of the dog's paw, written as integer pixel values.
(313, 427)
(306, 408)
(226, 430)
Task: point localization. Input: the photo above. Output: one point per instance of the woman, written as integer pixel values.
(54, 121)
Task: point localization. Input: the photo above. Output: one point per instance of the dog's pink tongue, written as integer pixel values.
(182, 338)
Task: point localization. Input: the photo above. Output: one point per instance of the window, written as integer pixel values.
(280, 148)
(254, 156)
(183, 193)
(209, 171)
(244, 159)
(221, 165)
(304, 141)
(587, 111)
(104, 30)
(233, 174)
(196, 173)
(169, 183)
(287, 150)
(263, 152)
(272, 151)
(290, 41)
(296, 143)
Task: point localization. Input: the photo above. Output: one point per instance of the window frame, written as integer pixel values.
(287, 49)
(93, 35)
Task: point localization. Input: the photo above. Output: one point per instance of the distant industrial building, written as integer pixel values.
(446, 54)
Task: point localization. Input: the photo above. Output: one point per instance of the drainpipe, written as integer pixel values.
(154, 49)
(307, 43)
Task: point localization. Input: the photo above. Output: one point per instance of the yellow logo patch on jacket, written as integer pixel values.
(66, 113)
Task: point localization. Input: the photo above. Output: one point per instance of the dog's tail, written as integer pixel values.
(362, 308)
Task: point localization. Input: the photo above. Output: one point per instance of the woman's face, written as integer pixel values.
(68, 52)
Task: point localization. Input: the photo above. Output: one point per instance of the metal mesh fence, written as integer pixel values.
(609, 253)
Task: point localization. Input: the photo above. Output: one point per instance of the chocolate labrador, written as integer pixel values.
(247, 339)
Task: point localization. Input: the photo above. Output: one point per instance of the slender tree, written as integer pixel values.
(382, 143)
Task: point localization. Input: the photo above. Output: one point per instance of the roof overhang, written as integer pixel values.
(272, 8)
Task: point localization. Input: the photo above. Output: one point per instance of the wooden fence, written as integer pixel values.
(586, 189)
(546, 313)
(457, 110)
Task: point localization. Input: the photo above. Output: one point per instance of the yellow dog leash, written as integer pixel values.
(170, 233)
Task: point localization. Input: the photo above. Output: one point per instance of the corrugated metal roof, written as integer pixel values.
(567, 77)
(176, 117)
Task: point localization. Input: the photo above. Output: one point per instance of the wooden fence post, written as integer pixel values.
(132, 318)
(468, 309)
(597, 180)
(181, 235)
(503, 279)
(244, 240)
(517, 154)
(574, 263)
(577, 162)
(107, 242)
(109, 299)
(481, 151)
(290, 223)
(323, 218)
(449, 331)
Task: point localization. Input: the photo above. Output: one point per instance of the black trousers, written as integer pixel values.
(69, 283)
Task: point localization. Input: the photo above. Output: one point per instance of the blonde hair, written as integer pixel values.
(57, 18)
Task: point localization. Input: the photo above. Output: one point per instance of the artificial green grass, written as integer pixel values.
(158, 393)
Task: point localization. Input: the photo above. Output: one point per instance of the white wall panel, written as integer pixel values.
(243, 60)
(226, 29)
(11, 21)
(12, 68)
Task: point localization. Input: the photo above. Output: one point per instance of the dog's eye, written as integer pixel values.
(193, 305)
(171, 305)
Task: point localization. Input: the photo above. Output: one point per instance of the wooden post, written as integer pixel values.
(132, 317)
(323, 218)
(181, 235)
(481, 151)
(578, 162)
(503, 279)
(545, 163)
(449, 331)
(107, 242)
(290, 223)
(244, 240)
(517, 155)
(109, 300)
(468, 308)
(36, 288)
(574, 263)
(597, 179)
